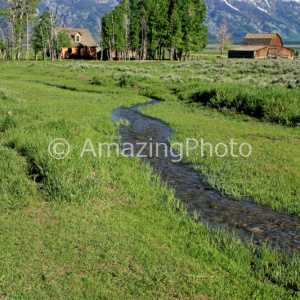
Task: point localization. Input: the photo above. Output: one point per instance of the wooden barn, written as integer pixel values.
(262, 45)
(83, 44)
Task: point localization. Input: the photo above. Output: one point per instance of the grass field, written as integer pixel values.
(213, 51)
(108, 228)
(251, 86)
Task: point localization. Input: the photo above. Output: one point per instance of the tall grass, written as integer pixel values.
(104, 227)
(271, 104)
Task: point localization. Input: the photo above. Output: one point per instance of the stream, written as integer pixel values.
(246, 217)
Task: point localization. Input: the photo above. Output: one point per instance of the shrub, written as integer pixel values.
(101, 81)
(117, 76)
(269, 104)
(4, 94)
(128, 81)
(172, 78)
(146, 76)
(7, 123)
(204, 96)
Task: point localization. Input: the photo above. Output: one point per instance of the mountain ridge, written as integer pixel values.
(259, 16)
(255, 16)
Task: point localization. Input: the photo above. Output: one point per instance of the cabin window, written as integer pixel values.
(77, 38)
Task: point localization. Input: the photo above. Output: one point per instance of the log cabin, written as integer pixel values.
(83, 45)
(262, 45)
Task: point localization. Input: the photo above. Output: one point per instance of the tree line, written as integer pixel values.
(150, 27)
(19, 19)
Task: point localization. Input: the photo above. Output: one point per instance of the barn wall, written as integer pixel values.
(276, 41)
(261, 53)
(281, 53)
(287, 53)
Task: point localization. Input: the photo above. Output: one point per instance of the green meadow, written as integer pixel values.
(107, 228)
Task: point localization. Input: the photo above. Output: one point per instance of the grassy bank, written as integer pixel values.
(270, 175)
(90, 227)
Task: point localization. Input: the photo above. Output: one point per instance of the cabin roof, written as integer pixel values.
(86, 38)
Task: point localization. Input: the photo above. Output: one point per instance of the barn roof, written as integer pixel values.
(258, 39)
(249, 48)
(86, 37)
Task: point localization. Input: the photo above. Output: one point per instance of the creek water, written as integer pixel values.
(246, 217)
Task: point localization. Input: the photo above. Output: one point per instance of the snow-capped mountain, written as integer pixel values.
(79, 13)
(256, 16)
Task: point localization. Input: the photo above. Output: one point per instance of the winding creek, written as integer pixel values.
(246, 217)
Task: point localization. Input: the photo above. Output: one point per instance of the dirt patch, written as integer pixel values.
(63, 272)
